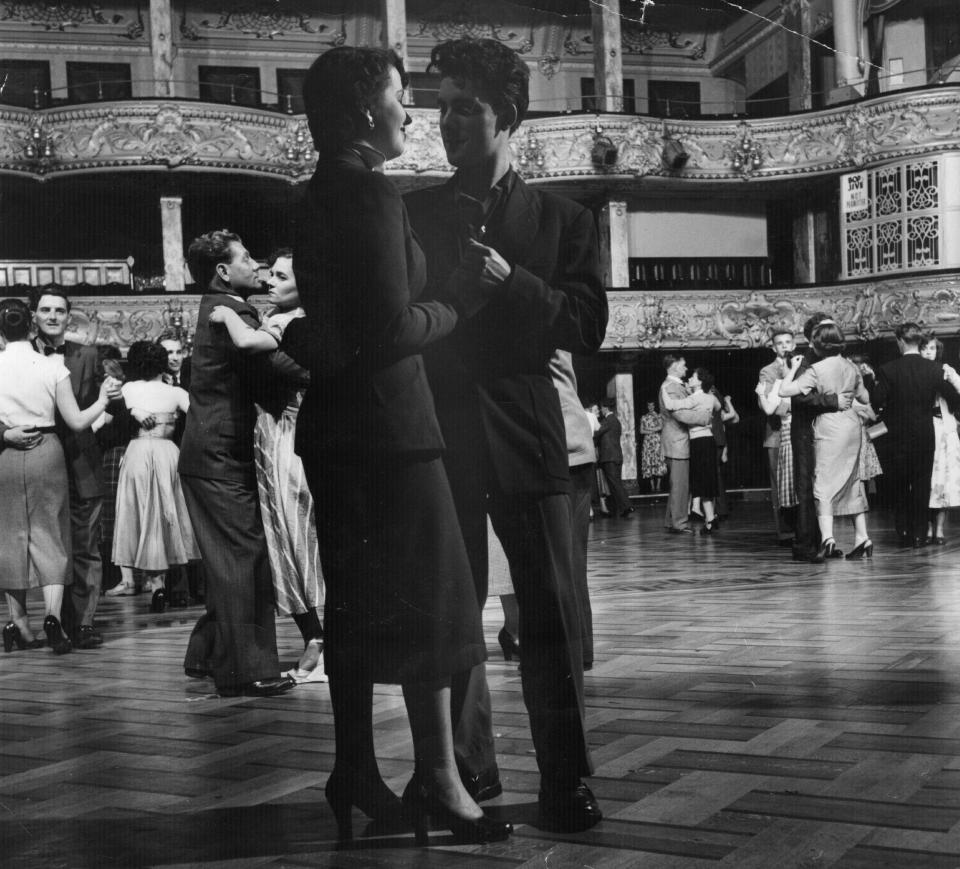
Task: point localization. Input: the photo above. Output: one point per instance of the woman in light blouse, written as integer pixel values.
(33, 476)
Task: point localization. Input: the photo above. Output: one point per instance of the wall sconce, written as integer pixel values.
(674, 156)
(176, 324)
(39, 143)
(531, 153)
(603, 153)
(747, 155)
(298, 143)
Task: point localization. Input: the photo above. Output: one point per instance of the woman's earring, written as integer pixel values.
(370, 120)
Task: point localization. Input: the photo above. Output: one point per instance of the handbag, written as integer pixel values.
(878, 429)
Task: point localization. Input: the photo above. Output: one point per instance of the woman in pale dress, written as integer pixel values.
(34, 533)
(837, 487)
(285, 501)
(153, 531)
(945, 480)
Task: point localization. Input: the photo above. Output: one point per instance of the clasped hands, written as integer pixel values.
(478, 278)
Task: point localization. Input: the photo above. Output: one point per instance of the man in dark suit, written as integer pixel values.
(84, 468)
(610, 457)
(178, 365)
(235, 640)
(499, 411)
(904, 395)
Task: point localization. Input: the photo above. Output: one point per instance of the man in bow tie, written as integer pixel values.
(84, 467)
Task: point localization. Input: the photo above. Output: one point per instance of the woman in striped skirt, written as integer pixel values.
(285, 500)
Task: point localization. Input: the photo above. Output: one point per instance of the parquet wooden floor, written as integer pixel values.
(745, 711)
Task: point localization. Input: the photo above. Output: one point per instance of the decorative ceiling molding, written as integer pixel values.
(167, 134)
(638, 320)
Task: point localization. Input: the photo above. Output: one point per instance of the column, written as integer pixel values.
(393, 13)
(174, 268)
(622, 388)
(161, 48)
(796, 17)
(804, 248)
(607, 59)
(848, 38)
(615, 244)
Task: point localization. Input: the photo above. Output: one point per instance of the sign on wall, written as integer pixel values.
(854, 192)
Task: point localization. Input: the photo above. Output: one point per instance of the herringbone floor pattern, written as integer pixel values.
(745, 711)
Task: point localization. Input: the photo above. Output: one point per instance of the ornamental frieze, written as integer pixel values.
(638, 320)
(166, 134)
(745, 319)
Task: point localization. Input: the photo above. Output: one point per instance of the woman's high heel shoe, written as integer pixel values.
(367, 793)
(158, 603)
(59, 644)
(422, 804)
(510, 645)
(828, 549)
(862, 550)
(13, 637)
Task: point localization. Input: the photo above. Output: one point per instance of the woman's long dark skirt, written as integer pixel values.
(401, 605)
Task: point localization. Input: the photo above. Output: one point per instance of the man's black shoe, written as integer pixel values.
(811, 555)
(626, 513)
(484, 786)
(570, 810)
(262, 688)
(196, 672)
(679, 531)
(87, 637)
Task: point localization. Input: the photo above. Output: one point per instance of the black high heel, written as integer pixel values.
(510, 645)
(863, 550)
(158, 603)
(344, 790)
(59, 644)
(421, 804)
(13, 637)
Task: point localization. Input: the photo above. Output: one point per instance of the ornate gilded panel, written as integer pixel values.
(167, 134)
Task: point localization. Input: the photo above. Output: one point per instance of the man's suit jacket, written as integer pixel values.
(675, 436)
(360, 273)
(491, 378)
(80, 448)
(904, 396)
(608, 440)
(218, 439)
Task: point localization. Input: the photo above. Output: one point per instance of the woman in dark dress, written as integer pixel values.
(400, 604)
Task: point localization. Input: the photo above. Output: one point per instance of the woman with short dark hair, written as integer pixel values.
(401, 607)
(837, 487)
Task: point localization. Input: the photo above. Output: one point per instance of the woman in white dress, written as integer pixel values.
(285, 501)
(945, 479)
(153, 531)
(33, 476)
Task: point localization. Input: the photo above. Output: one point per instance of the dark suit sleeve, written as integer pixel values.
(825, 402)
(573, 310)
(395, 327)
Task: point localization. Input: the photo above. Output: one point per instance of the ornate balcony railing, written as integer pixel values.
(176, 135)
(638, 321)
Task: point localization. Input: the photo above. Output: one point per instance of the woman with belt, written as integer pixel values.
(153, 531)
(34, 534)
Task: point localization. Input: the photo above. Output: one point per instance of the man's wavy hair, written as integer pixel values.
(206, 252)
(339, 88)
(497, 71)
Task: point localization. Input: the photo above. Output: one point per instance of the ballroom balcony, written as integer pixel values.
(588, 153)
